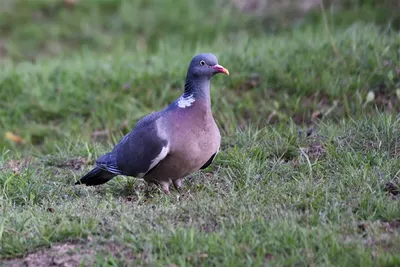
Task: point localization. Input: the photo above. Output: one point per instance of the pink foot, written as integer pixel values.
(178, 184)
(165, 187)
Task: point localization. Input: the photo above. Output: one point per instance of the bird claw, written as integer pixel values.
(178, 184)
(165, 187)
(166, 191)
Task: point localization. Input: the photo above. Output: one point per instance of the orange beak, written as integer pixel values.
(220, 69)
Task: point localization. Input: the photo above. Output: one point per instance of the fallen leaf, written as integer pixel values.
(370, 97)
(14, 138)
(203, 256)
(70, 3)
(316, 115)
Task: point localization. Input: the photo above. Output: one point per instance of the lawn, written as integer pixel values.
(309, 168)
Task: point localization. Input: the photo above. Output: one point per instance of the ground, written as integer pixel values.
(309, 167)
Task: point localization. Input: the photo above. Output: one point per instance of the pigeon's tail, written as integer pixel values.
(96, 176)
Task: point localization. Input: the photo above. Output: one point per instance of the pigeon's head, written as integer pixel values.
(205, 65)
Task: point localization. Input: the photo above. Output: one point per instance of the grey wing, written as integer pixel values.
(139, 151)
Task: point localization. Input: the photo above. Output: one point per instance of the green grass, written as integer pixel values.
(73, 81)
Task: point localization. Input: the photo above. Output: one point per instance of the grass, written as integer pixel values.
(308, 172)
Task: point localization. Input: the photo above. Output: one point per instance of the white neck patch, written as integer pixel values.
(184, 102)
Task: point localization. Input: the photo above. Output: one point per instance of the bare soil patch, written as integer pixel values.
(71, 254)
(67, 255)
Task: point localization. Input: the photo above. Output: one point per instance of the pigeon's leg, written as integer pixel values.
(178, 184)
(164, 184)
(165, 187)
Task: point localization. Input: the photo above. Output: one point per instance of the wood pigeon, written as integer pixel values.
(167, 145)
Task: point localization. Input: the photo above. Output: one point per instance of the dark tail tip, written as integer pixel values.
(96, 176)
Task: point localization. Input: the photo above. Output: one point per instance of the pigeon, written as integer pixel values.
(166, 146)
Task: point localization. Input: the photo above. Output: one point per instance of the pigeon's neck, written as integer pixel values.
(199, 89)
(197, 93)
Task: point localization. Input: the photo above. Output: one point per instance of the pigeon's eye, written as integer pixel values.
(202, 62)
